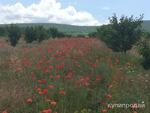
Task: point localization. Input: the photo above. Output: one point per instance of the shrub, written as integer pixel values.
(3, 31)
(53, 32)
(14, 34)
(121, 34)
(30, 35)
(144, 50)
(38, 33)
(93, 34)
(41, 33)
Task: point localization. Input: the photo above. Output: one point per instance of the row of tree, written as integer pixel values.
(39, 33)
(30, 34)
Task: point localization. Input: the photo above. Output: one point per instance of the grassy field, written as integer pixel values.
(76, 75)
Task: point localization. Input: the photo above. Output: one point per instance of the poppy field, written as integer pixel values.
(70, 75)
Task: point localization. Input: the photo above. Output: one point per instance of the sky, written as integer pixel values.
(74, 12)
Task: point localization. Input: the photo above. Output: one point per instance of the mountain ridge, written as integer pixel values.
(74, 29)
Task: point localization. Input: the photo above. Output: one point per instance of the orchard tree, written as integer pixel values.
(121, 34)
(14, 34)
(30, 35)
(41, 33)
(3, 31)
(53, 32)
(144, 50)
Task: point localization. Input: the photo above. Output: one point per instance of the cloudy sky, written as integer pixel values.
(74, 12)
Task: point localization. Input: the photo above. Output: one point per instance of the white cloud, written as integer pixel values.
(45, 11)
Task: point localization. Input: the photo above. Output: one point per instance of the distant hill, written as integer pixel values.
(68, 29)
(76, 30)
(146, 25)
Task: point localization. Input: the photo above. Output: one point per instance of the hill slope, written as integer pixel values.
(146, 25)
(76, 30)
(68, 29)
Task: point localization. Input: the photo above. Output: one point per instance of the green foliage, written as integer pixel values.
(80, 35)
(30, 35)
(121, 34)
(38, 33)
(144, 49)
(93, 34)
(53, 32)
(14, 34)
(3, 31)
(41, 33)
(146, 35)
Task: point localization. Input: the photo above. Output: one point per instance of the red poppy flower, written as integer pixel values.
(42, 81)
(98, 78)
(47, 111)
(4, 111)
(51, 86)
(109, 96)
(53, 103)
(58, 77)
(51, 76)
(62, 92)
(29, 100)
(51, 67)
(104, 110)
(45, 91)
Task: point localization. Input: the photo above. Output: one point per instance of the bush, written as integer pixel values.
(14, 34)
(38, 33)
(93, 34)
(144, 50)
(146, 35)
(53, 32)
(3, 31)
(41, 33)
(30, 35)
(121, 34)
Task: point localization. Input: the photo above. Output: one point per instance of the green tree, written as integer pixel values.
(14, 34)
(41, 33)
(92, 34)
(121, 34)
(53, 32)
(3, 31)
(30, 34)
(38, 33)
(144, 50)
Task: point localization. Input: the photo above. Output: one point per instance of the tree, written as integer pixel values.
(92, 34)
(144, 50)
(41, 33)
(53, 32)
(38, 33)
(120, 35)
(14, 34)
(3, 31)
(30, 35)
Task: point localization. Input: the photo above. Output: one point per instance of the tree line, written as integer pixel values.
(30, 34)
